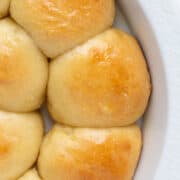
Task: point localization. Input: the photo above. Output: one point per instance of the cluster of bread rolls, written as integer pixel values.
(97, 86)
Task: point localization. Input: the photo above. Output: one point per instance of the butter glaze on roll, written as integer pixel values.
(20, 139)
(4, 7)
(91, 154)
(23, 70)
(32, 174)
(103, 83)
(59, 25)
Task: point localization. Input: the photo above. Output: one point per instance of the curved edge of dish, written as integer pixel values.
(156, 116)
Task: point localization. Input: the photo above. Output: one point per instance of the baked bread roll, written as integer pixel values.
(57, 26)
(103, 83)
(23, 70)
(91, 154)
(30, 175)
(20, 139)
(4, 7)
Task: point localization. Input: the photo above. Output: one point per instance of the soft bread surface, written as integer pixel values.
(4, 7)
(20, 139)
(23, 70)
(103, 83)
(59, 25)
(98, 86)
(91, 154)
(32, 174)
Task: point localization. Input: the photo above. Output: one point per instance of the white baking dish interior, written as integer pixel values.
(155, 119)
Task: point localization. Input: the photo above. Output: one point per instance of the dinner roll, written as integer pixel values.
(103, 83)
(91, 154)
(20, 139)
(59, 25)
(30, 175)
(4, 7)
(23, 70)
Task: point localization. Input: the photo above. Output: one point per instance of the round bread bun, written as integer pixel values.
(91, 154)
(59, 25)
(20, 139)
(4, 7)
(103, 83)
(23, 70)
(32, 174)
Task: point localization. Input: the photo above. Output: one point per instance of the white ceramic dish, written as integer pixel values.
(155, 119)
(154, 130)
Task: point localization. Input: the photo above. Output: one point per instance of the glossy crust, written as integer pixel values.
(59, 25)
(103, 83)
(20, 139)
(31, 174)
(23, 70)
(4, 7)
(91, 154)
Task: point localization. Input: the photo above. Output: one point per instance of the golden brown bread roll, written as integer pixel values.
(23, 70)
(103, 83)
(4, 7)
(20, 139)
(31, 174)
(57, 26)
(91, 154)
